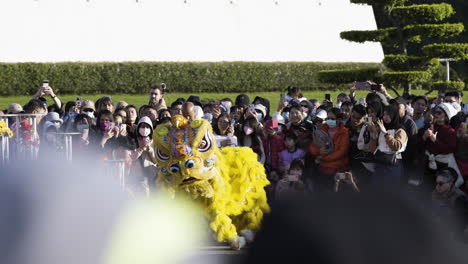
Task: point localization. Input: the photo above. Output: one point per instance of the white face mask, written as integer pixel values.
(90, 114)
(338, 105)
(144, 131)
(314, 111)
(259, 117)
(279, 129)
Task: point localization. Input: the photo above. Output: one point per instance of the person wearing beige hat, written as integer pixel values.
(14, 109)
(87, 108)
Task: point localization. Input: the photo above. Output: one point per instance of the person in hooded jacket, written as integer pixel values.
(144, 171)
(331, 159)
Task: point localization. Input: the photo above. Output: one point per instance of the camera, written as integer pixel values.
(164, 89)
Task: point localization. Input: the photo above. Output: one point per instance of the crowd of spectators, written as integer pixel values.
(413, 144)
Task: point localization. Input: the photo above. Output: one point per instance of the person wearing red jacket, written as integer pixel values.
(330, 160)
(273, 144)
(440, 142)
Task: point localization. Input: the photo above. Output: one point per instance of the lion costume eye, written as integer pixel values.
(174, 168)
(189, 163)
(161, 156)
(205, 143)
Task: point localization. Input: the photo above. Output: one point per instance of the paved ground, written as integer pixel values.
(217, 254)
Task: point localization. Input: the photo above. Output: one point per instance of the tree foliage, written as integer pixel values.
(458, 51)
(448, 85)
(411, 22)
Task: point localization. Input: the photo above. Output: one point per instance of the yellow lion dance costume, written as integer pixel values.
(229, 183)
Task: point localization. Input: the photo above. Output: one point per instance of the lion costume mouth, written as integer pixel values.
(189, 181)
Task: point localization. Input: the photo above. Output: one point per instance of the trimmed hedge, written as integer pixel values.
(457, 51)
(188, 77)
(424, 12)
(448, 85)
(399, 62)
(347, 75)
(446, 30)
(380, 35)
(407, 77)
(380, 2)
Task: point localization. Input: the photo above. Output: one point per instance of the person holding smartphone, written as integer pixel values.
(224, 131)
(46, 90)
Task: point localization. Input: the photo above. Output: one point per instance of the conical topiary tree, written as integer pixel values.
(411, 23)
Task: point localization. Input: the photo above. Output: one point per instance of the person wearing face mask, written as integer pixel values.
(87, 108)
(331, 160)
(315, 105)
(251, 137)
(261, 111)
(49, 142)
(81, 142)
(455, 98)
(103, 136)
(144, 170)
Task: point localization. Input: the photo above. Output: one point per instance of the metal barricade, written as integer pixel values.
(24, 149)
(68, 142)
(116, 167)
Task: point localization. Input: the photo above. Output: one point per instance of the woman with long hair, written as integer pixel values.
(387, 142)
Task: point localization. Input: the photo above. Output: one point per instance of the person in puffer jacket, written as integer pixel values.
(331, 160)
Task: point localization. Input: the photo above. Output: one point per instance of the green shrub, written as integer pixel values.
(347, 75)
(187, 77)
(424, 12)
(448, 85)
(406, 77)
(457, 51)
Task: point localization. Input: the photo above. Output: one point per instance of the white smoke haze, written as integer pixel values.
(57, 212)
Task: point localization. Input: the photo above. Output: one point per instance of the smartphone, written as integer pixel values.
(465, 109)
(78, 102)
(111, 125)
(251, 108)
(282, 97)
(369, 119)
(328, 97)
(233, 122)
(361, 86)
(45, 83)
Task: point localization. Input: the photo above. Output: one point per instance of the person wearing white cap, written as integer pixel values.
(440, 142)
(14, 109)
(261, 112)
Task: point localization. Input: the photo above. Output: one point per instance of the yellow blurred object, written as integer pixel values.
(228, 183)
(5, 130)
(156, 230)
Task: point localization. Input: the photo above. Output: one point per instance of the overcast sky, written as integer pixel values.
(171, 30)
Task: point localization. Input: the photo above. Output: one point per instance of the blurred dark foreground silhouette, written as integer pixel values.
(341, 228)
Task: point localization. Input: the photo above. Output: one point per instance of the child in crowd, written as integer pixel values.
(293, 182)
(290, 153)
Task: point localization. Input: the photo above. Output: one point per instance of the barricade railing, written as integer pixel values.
(25, 136)
(68, 140)
(117, 167)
